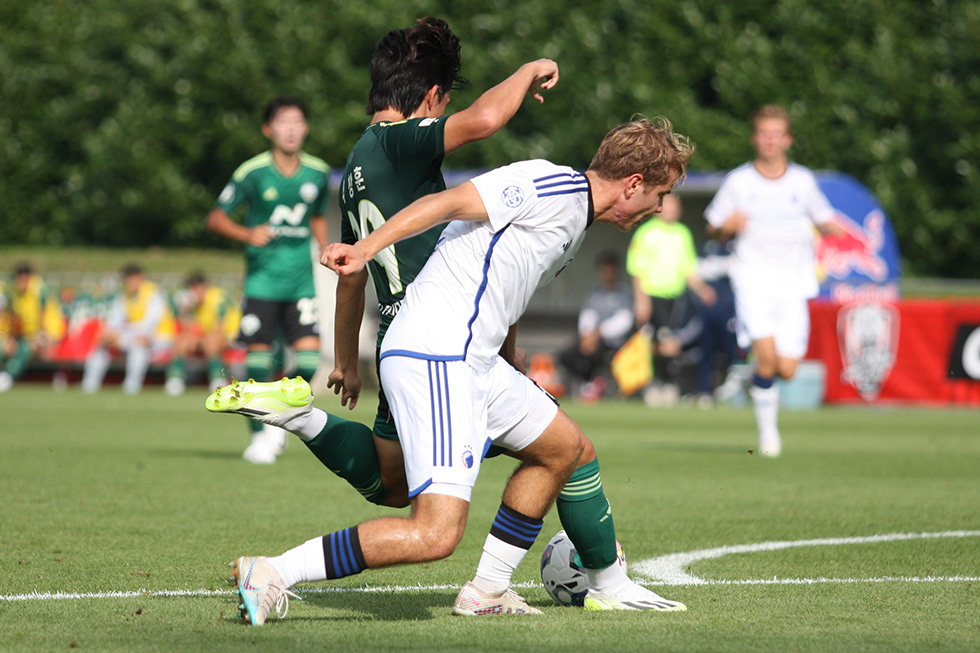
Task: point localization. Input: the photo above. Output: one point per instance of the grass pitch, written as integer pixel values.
(119, 514)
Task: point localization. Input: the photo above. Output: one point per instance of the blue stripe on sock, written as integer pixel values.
(762, 382)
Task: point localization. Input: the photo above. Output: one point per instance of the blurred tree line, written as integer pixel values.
(121, 120)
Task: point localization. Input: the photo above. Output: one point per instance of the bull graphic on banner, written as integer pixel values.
(863, 264)
(868, 337)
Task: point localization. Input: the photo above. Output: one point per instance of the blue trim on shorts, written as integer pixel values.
(414, 493)
(486, 448)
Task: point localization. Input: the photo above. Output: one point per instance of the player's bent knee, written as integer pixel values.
(440, 521)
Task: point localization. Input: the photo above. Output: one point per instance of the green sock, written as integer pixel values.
(586, 517)
(177, 369)
(347, 449)
(306, 362)
(215, 369)
(17, 362)
(258, 365)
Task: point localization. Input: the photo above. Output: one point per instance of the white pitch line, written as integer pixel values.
(53, 596)
(670, 569)
(665, 570)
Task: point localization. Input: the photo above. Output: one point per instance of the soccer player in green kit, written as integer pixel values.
(397, 160)
(284, 194)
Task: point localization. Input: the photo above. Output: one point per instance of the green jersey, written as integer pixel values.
(392, 165)
(283, 269)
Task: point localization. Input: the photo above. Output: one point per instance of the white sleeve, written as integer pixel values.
(722, 205)
(617, 326)
(116, 317)
(818, 206)
(507, 195)
(588, 321)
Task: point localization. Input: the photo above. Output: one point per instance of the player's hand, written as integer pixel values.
(707, 295)
(343, 259)
(347, 385)
(735, 223)
(260, 235)
(832, 229)
(545, 78)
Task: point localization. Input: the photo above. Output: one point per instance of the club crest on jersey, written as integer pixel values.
(227, 195)
(512, 197)
(270, 194)
(467, 458)
(308, 192)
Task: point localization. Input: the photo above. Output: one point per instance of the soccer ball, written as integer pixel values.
(562, 572)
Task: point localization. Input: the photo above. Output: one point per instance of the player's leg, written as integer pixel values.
(524, 420)
(758, 310)
(176, 375)
(583, 509)
(370, 460)
(16, 363)
(431, 532)
(442, 470)
(258, 329)
(301, 327)
(212, 345)
(97, 362)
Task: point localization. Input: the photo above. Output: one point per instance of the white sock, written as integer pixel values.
(96, 365)
(497, 565)
(611, 580)
(302, 563)
(137, 362)
(307, 425)
(766, 404)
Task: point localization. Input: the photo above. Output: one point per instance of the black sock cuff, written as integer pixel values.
(514, 528)
(342, 554)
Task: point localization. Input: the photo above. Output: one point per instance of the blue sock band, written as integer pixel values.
(762, 382)
(514, 528)
(342, 553)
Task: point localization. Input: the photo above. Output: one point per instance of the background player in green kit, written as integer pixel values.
(283, 192)
(397, 160)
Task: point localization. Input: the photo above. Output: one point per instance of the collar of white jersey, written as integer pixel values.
(591, 214)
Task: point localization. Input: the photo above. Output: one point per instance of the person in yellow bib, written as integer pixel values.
(140, 324)
(207, 323)
(661, 257)
(31, 326)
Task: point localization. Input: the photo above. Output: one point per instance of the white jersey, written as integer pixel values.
(482, 275)
(776, 246)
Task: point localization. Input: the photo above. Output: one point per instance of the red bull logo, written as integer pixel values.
(857, 251)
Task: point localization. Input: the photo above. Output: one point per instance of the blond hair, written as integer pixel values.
(647, 147)
(771, 112)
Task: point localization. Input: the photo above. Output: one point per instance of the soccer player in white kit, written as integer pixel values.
(770, 207)
(443, 364)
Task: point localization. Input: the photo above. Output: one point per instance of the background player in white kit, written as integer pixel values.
(770, 206)
(518, 227)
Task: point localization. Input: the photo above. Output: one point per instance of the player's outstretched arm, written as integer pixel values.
(460, 203)
(345, 379)
(497, 106)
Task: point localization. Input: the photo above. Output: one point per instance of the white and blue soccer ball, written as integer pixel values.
(562, 572)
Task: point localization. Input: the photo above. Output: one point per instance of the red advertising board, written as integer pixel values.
(910, 351)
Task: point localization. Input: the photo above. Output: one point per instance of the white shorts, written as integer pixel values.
(447, 417)
(763, 313)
